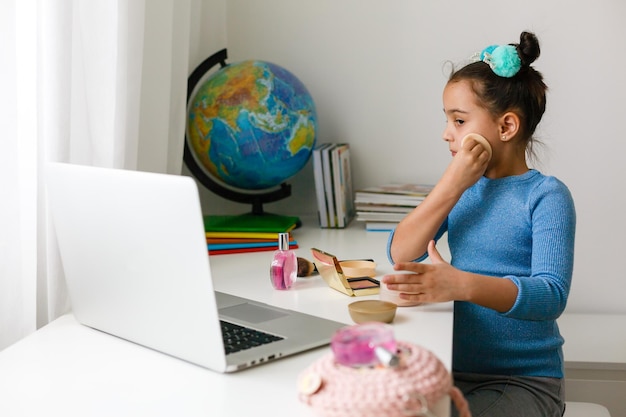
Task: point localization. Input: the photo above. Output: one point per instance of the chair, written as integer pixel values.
(578, 409)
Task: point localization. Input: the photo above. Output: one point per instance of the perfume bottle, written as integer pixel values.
(284, 264)
(366, 344)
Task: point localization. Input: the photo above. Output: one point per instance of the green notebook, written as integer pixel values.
(257, 223)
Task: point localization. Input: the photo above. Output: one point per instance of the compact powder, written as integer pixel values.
(361, 283)
(358, 268)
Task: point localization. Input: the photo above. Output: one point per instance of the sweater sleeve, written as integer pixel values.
(543, 294)
(440, 233)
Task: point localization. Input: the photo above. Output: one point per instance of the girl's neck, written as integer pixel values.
(506, 168)
(507, 161)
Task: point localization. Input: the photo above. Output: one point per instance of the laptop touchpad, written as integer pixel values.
(251, 313)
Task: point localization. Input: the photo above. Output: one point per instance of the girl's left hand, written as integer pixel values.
(427, 283)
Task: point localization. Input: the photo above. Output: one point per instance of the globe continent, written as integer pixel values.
(252, 125)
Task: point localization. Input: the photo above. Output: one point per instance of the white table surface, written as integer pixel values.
(66, 369)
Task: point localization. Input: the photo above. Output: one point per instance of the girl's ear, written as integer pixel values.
(509, 126)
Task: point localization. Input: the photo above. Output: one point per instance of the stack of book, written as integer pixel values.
(333, 184)
(247, 232)
(383, 207)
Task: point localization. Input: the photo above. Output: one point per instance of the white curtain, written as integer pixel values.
(94, 82)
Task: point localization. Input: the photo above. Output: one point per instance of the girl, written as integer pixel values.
(511, 237)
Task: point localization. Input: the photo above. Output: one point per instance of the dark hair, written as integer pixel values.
(524, 93)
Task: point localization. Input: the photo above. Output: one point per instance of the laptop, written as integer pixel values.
(136, 264)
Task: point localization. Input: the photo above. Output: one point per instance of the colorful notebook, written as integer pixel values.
(250, 223)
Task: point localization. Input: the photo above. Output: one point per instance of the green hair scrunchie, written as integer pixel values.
(502, 59)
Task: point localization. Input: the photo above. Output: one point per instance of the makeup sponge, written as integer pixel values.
(481, 140)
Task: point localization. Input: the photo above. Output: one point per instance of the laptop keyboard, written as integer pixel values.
(237, 338)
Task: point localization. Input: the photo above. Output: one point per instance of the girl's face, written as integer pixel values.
(464, 116)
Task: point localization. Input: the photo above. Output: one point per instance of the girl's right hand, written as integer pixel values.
(467, 166)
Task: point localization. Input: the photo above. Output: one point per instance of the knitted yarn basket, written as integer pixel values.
(410, 389)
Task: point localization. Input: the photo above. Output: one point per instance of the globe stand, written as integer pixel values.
(256, 199)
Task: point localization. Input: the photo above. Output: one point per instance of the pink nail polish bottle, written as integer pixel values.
(284, 264)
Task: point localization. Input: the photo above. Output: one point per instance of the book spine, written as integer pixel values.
(344, 197)
(223, 246)
(242, 235)
(337, 187)
(244, 250)
(380, 226)
(320, 193)
(328, 185)
(348, 189)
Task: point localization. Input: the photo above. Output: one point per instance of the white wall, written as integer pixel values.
(376, 71)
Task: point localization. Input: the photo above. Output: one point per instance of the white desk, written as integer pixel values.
(70, 370)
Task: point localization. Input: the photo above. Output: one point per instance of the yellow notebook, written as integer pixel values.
(244, 235)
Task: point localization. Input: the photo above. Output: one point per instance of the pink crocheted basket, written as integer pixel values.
(412, 388)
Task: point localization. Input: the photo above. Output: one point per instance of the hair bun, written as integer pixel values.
(528, 48)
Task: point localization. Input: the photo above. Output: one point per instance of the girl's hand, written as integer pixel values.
(467, 166)
(428, 283)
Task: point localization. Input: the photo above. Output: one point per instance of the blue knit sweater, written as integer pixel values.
(519, 228)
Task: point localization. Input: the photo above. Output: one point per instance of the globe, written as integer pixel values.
(251, 126)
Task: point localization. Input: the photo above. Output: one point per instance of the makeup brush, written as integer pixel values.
(306, 268)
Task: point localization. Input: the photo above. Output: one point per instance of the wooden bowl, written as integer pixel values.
(372, 310)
